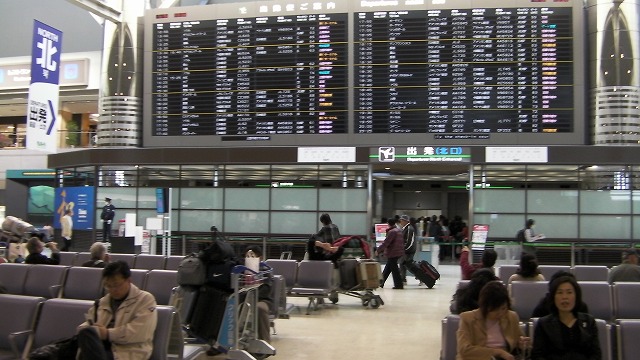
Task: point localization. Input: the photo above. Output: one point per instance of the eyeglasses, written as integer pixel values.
(112, 286)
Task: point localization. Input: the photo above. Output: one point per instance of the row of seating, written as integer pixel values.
(605, 301)
(30, 322)
(139, 261)
(619, 338)
(581, 272)
(77, 282)
(311, 279)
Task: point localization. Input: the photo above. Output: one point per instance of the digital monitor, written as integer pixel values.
(368, 72)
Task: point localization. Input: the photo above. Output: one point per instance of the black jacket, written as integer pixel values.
(548, 344)
(410, 244)
(37, 258)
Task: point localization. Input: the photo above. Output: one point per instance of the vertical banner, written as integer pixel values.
(80, 200)
(42, 108)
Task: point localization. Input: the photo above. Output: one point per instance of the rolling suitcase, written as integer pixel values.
(424, 272)
(208, 312)
(369, 274)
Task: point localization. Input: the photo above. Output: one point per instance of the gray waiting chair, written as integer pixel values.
(314, 281)
(160, 283)
(45, 280)
(173, 262)
(505, 272)
(150, 262)
(138, 277)
(165, 345)
(168, 340)
(81, 258)
(183, 298)
(625, 295)
(83, 283)
(18, 321)
(598, 297)
(59, 319)
(66, 258)
(525, 296)
(449, 347)
(287, 268)
(13, 277)
(628, 331)
(590, 272)
(128, 258)
(548, 270)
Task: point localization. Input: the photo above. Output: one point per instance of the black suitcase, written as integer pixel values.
(424, 272)
(208, 312)
(348, 275)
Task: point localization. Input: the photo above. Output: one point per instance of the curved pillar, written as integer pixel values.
(614, 43)
(120, 107)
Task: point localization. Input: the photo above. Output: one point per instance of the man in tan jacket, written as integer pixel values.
(125, 323)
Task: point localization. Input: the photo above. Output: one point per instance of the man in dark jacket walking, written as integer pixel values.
(410, 244)
(393, 249)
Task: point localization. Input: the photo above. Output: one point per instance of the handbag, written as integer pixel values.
(64, 349)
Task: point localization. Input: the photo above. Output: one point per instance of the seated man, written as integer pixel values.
(35, 247)
(628, 270)
(99, 256)
(125, 323)
(489, 258)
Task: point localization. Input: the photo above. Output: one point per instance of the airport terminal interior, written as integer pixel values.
(250, 119)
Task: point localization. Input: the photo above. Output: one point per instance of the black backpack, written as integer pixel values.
(218, 252)
(520, 236)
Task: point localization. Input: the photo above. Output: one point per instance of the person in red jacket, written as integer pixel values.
(393, 249)
(489, 257)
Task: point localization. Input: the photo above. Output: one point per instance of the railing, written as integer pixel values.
(562, 253)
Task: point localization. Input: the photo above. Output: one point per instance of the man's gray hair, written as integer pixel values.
(97, 250)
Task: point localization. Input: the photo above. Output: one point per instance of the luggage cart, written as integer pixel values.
(358, 280)
(239, 330)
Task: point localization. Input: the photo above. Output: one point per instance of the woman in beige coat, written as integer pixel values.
(492, 330)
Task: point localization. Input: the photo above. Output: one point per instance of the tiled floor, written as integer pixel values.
(406, 327)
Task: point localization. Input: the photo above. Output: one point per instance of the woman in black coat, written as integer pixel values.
(566, 333)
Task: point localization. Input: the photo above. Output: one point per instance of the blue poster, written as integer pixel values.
(80, 200)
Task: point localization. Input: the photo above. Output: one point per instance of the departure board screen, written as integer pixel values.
(467, 71)
(244, 78)
(366, 73)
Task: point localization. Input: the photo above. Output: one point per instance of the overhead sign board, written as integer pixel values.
(421, 153)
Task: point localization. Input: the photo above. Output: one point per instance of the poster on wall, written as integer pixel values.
(42, 106)
(381, 232)
(80, 201)
(479, 236)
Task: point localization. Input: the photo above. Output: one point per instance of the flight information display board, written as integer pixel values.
(470, 71)
(366, 72)
(246, 77)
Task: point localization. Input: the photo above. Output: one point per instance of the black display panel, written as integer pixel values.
(249, 78)
(470, 71)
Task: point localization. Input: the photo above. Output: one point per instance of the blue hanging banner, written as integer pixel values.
(42, 107)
